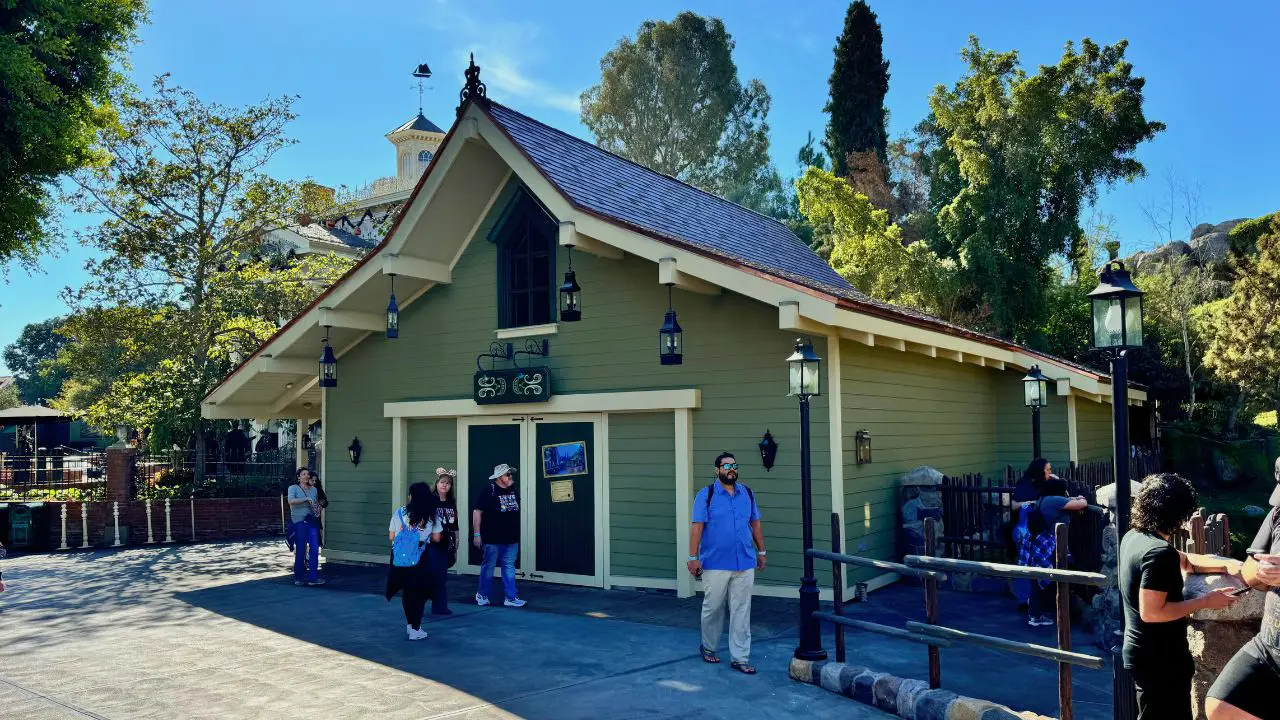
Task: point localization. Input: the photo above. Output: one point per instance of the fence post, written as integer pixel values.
(64, 545)
(931, 603)
(193, 518)
(1064, 623)
(84, 524)
(168, 527)
(120, 472)
(151, 538)
(115, 513)
(837, 585)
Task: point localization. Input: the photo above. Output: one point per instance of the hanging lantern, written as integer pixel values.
(1035, 388)
(670, 337)
(768, 450)
(570, 295)
(1117, 309)
(354, 450)
(805, 366)
(328, 364)
(393, 313)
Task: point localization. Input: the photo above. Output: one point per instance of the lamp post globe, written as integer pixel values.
(804, 373)
(1035, 395)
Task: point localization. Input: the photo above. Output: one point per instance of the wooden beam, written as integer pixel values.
(789, 318)
(285, 366)
(413, 267)
(295, 393)
(373, 322)
(885, 630)
(951, 354)
(891, 342)
(1017, 572)
(669, 275)
(997, 364)
(210, 411)
(926, 350)
(568, 236)
(997, 643)
(858, 336)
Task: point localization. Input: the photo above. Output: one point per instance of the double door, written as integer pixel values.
(558, 479)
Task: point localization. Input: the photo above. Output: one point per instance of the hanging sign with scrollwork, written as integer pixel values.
(512, 385)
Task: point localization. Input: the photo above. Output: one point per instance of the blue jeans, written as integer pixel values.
(491, 555)
(306, 548)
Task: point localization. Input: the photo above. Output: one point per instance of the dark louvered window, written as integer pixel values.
(526, 238)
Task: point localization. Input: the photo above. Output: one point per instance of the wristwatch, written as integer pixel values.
(760, 553)
(693, 558)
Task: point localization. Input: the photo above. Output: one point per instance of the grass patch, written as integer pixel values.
(1266, 419)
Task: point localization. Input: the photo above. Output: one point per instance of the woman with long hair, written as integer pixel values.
(1150, 573)
(413, 527)
(1044, 505)
(445, 552)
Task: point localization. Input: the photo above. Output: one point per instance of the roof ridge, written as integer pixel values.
(646, 168)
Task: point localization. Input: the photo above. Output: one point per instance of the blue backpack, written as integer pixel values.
(406, 548)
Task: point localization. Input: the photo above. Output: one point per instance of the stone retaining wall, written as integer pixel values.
(909, 699)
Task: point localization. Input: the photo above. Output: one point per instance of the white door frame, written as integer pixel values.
(528, 463)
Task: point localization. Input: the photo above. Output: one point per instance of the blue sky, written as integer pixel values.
(1210, 77)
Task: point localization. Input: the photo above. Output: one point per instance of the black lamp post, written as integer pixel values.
(804, 367)
(1117, 329)
(1035, 395)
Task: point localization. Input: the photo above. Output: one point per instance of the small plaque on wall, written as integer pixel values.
(561, 491)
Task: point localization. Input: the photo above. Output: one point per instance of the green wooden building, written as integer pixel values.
(611, 444)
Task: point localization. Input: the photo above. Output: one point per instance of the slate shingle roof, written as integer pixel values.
(316, 231)
(420, 123)
(608, 185)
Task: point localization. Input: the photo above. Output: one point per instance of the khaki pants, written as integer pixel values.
(730, 588)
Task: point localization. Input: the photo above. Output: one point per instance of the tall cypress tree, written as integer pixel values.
(859, 82)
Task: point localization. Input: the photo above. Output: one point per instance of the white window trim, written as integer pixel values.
(527, 331)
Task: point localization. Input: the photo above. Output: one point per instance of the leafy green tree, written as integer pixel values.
(868, 250)
(31, 358)
(185, 284)
(1173, 292)
(56, 74)
(9, 398)
(1245, 335)
(1030, 152)
(859, 81)
(671, 100)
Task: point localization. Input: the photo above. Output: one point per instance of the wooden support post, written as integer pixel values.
(837, 585)
(1064, 623)
(931, 603)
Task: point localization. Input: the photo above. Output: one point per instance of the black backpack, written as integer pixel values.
(711, 490)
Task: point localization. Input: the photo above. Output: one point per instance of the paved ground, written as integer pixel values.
(220, 631)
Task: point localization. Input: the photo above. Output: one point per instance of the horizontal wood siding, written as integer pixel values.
(642, 492)
(920, 411)
(1013, 424)
(1094, 428)
(734, 354)
(432, 444)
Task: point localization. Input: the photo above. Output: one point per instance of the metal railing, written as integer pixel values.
(932, 569)
(59, 474)
(173, 474)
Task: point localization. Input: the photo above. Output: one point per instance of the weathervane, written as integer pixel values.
(422, 72)
(473, 89)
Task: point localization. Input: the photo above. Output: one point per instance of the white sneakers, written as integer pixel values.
(513, 602)
(481, 600)
(415, 634)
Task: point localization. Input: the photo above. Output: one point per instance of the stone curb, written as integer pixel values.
(908, 699)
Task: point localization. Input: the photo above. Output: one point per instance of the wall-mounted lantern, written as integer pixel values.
(768, 450)
(862, 446)
(354, 450)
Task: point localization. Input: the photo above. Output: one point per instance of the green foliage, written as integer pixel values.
(671, 100)
(9, 398)
(56, 74)
(1028, 152)
(31, 358)
(859, 81)
(1173, 292)
(868, 251)
(1244, 237)
(1245, 328)
(186, 284)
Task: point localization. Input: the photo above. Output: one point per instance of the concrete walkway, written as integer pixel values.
(219, 631)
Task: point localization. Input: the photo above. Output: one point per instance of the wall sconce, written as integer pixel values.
(354, 449)
(862, 446)
(768, 450)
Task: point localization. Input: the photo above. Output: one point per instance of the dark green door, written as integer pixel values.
(565, 477)
(487, 447)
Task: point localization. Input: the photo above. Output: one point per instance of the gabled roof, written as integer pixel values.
(610, 186)
(319, 232)
(420, 123)
(30, 412)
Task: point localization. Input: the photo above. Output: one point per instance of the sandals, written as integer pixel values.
(742, 667)
(709, 656)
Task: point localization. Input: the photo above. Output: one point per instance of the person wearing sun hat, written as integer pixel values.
(495, 526)
(444, 553)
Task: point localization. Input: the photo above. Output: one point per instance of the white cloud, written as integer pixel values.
(506, 51)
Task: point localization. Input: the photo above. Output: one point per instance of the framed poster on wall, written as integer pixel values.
(564, 460)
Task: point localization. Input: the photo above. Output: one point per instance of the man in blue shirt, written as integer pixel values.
(726, 547)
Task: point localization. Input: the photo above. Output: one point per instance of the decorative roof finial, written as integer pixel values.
(473, 89)
(422, 72)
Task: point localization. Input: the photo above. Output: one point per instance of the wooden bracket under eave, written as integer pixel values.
(568, 236)
(669, 275)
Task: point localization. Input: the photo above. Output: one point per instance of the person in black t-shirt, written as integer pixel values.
(1155, 614)
(495, 523)
(445, 552)
(1249, 686)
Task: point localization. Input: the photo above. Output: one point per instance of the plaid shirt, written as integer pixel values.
(1038, 551)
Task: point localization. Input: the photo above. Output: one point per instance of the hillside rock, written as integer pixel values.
(1144, 261)
(1211, 248)
(1201, 229)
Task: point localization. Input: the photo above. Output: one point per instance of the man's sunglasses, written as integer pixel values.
(729, 466)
